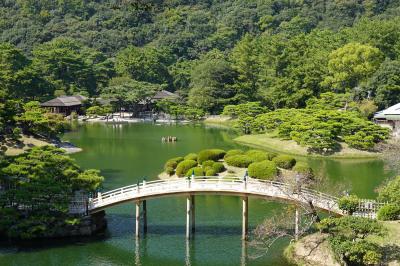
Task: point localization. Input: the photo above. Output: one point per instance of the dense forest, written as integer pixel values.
(213, 53)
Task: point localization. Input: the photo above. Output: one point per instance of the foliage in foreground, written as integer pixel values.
(39, 186)
(390, 192)
(348, 239)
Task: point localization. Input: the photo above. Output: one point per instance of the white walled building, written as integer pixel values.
(390, 118)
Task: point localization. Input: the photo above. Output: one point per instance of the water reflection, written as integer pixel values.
(137, 252)
(187, 257)
(243, 259)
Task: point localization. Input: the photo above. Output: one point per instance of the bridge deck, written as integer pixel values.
(231, 186)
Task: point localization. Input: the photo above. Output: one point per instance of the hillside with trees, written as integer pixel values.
(213, 53)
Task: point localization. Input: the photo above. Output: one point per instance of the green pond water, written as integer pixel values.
(127, 153)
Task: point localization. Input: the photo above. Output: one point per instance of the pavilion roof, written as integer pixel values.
(391, 113)
(65, 101)
(163, 94)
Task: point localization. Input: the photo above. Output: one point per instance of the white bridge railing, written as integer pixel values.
(238, 186)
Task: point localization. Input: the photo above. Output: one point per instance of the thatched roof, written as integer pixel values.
(65, 101)
(164, 95)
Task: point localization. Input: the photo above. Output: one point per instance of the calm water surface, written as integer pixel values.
(127, 153)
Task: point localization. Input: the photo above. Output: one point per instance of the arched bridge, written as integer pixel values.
(243, 187)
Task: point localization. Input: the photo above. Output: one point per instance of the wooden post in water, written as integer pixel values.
(144, 217)
(137, 232)
(193, 214)
(188, 215)
(245, 217)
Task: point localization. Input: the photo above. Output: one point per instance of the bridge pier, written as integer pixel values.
(245, 217)
(144, 217)
(190, 216)
(193, 216)
(137, 229)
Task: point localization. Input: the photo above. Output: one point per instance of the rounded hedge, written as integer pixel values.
(191, 156)
(198, 171)
(271, 155)
(233, 152)
(389, 212)
(210, 154)
(263, 170)
(218, 167)
(242, 161)
(257, 155)
(173, 162)
(184, 166)
(284, 161)
(208, 163)
(304, 169)
(211, 172)
(170, 171)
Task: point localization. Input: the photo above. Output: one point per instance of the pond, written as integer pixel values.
(128, 153)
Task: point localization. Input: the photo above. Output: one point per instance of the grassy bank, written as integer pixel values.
(272, 143)
(27, 142)
(218, 120)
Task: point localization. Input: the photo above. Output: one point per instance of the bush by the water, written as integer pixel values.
(389, 212)
(218, 167)
(271, 155)
(233, 152)
(191, 156)
(304, 169)
(170, 171)
(242, 161)
(198, 171)
(173, 162)
(210, 154)
(263, 170)
(184, 166)
(211, 172)
(284, 161)
(349, 203)
(208, 163)
(257, 155)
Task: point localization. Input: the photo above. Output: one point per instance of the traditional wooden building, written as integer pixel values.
(389, 118)
(163, 94)
(65, 104)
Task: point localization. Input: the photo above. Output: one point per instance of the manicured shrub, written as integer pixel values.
(389, 212)
(284, 161)
(191, 156)
(239, 161)
(349, 203)
(304, 169)
(198, 171)
(257, 155)
(208, 163)
(210, 154)
(218, 167)
(211, 172)
(184, 166)
(170, 170)
(263, 170)
(233, 152)
(173, 162)
(271, 155)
